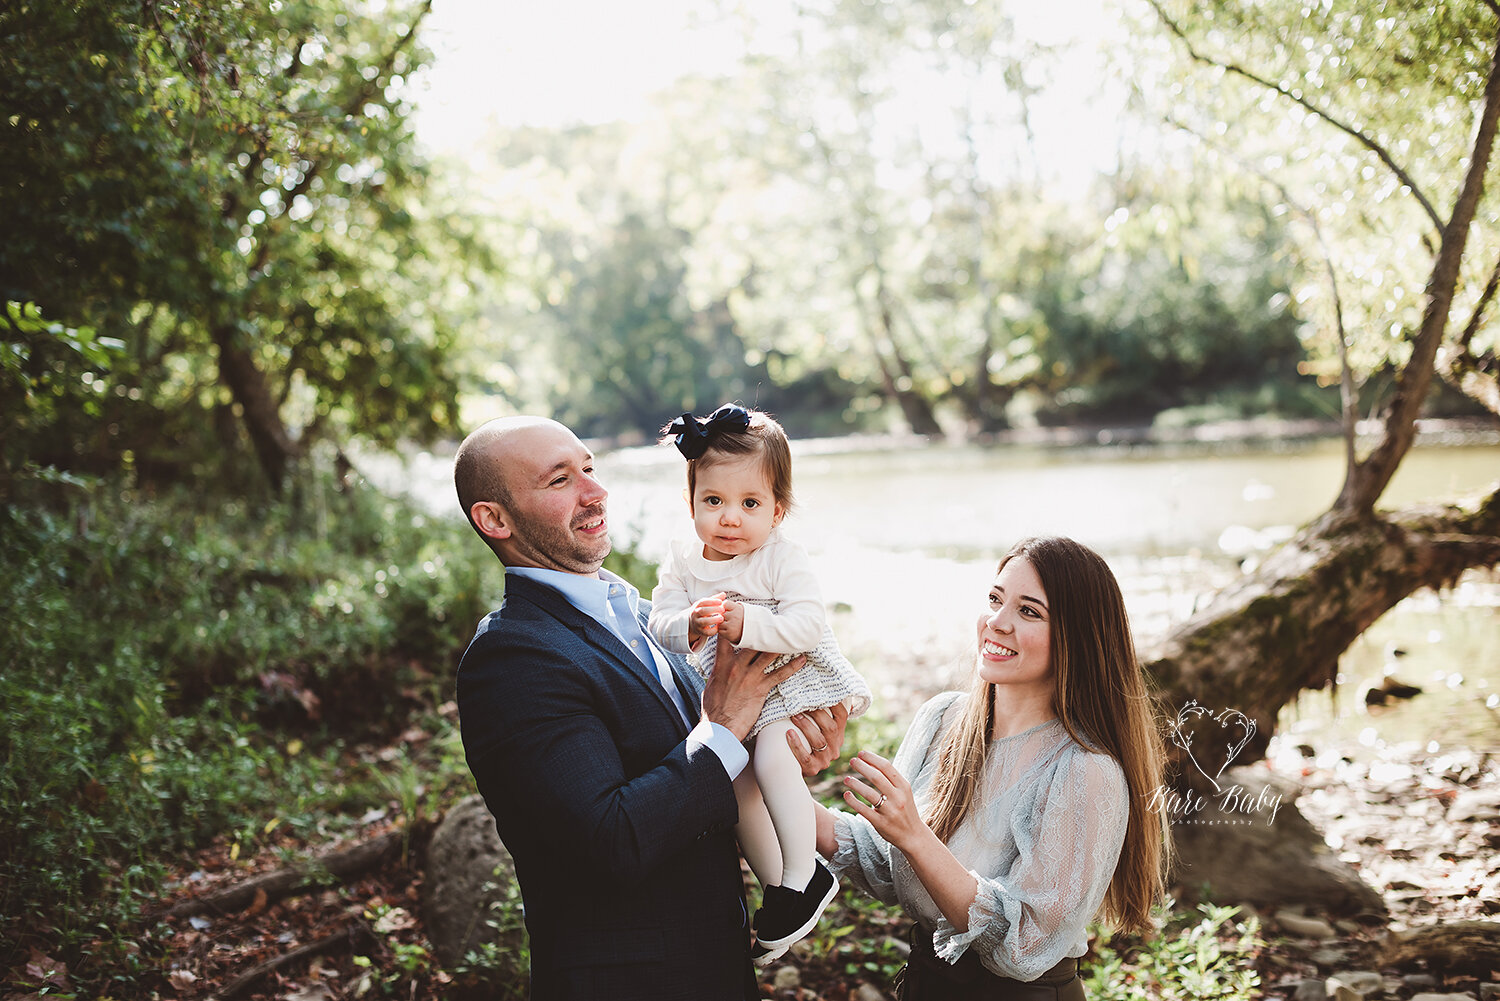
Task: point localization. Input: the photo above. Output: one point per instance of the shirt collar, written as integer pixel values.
(590, 595)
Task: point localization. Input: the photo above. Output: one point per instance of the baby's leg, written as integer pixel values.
(757, 836)
(788, 802)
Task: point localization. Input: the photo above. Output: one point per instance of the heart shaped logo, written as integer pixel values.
(1193, 720)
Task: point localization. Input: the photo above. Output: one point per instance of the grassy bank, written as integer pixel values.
(180, 669)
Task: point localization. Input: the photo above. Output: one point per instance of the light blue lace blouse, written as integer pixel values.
(1043, 843)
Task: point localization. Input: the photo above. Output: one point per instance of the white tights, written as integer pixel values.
(777, 828)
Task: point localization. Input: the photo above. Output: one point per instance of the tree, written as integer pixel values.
(1375, 125)
(231, 190)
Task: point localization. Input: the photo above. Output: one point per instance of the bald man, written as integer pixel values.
(607, 763)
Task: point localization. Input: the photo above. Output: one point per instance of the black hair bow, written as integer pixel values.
(695, 434)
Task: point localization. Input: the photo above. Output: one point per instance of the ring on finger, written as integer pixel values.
(820, 750)
(880, 802)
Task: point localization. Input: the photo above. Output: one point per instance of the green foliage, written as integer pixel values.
(1157, 314)
(1206, 953)
(54, 375)
(232, 191)
(1357, 122)
(180, 669)
(504, 951)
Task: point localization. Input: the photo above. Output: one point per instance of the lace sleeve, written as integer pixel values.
(863, 856)
(1069, 829)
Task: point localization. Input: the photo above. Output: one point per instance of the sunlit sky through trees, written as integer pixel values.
(511, 63)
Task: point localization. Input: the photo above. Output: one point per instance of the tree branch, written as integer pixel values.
(1348, 392)
(1369, 479)
(1477, 317)
(1475, 376)
(1360, 137)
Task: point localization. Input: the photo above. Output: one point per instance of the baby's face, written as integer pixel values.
(733, 508)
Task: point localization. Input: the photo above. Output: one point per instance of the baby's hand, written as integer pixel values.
(733, 625)
(705, 619)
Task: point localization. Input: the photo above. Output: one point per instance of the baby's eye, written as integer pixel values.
(751, 503)
(711, 501)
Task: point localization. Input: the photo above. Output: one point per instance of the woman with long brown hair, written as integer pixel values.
(1015, 813)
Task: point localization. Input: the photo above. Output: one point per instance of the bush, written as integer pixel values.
(173, 662)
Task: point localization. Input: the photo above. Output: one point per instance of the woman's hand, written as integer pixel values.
(882, 796)
(951, 886)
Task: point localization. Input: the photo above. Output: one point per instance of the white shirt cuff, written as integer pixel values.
(725, 745)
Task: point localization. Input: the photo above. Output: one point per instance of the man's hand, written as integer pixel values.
(818, 738)
(737, 688)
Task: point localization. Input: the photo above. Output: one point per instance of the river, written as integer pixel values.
(905, 536)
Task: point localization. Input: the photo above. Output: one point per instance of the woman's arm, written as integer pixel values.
(1067, 834)
(951, 886)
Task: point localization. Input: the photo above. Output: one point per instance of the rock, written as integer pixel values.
(1476, 805)
(1419, 981)
(787, 978)
(1468, 947)
(469, 887)
(1304, 927)
(1310, 990)
(1442, 997)
(1489, 992)
(1328, 955)
(868, 992)
(1360, 983)
(1247, 857)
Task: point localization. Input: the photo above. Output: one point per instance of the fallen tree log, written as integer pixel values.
(339, 866)
(1281, 629)
(353, 936)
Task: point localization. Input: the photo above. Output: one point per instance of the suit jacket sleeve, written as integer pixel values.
(577, 757)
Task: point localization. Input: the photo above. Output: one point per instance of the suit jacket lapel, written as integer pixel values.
(553, 603)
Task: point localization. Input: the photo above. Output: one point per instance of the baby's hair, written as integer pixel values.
(764, 438)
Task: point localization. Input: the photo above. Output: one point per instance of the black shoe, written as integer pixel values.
(785, 916)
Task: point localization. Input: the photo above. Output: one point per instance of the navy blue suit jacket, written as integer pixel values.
(623, 842)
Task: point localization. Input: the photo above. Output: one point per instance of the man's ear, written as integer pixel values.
(490, 519)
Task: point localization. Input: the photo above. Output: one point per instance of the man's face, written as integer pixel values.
(556, 515)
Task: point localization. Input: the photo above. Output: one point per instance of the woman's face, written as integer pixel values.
(1015, 633)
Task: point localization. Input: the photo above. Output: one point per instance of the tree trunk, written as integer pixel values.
(988, 400)
(901, 384)
(1282, 629)
(273, 445)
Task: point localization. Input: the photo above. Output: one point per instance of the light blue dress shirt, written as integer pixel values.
(612, 602)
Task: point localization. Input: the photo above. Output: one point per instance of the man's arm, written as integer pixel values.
(580, 765)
